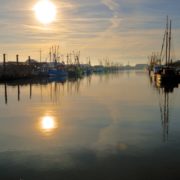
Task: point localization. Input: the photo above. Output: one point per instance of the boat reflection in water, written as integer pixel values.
(165, 90)
(98, 127)
(53, 88)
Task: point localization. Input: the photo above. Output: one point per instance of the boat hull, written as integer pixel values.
(57, 73)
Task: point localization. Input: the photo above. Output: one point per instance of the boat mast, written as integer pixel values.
(50, 54)
(40, 55)
(167, 27)
(162, 48)
(169, 55)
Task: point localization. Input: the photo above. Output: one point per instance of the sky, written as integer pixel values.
(124, 31)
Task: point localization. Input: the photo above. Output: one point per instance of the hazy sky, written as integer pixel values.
(123, 30)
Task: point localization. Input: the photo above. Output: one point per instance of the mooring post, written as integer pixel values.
(17, 59)
(18, 92)
(5, 93)
(29, 59)
(30, 92)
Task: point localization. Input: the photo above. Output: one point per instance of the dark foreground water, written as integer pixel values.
(103, 127)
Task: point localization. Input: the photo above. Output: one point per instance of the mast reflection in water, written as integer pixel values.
(164, 91)
(164, 109)
(107, 127)
(51, 88)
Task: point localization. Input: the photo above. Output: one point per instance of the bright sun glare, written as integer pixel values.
(48, 123)
(45, 11)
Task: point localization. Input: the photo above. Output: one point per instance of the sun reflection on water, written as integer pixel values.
(48, 124)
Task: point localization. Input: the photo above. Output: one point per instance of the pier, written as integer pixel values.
(15, 70)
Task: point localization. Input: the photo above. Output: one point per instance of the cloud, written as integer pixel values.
(111, 4)
(112, 28)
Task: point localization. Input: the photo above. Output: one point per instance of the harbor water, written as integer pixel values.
(104, 126)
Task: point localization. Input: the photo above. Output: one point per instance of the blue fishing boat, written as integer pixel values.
(58, 70)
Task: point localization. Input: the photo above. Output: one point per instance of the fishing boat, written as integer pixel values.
(57, 69)
(74, 70)
(166, 73)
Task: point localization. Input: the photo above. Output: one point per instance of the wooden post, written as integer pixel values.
(5, 93)
(29, 59)
(17, 59)
(30, 92)
(18, 92)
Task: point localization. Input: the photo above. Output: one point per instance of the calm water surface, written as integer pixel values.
(113, 126)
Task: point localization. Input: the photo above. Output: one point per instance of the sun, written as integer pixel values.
(45, 11)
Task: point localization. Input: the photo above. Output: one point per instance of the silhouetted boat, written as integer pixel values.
(165, 73)
(58, 70)
(74, 70)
